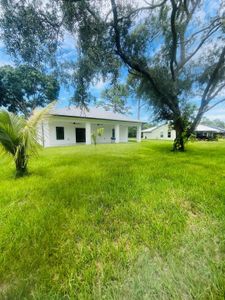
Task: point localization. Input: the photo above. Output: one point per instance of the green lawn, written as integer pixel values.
(128, 221)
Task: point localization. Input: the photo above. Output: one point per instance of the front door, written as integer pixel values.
(80, 135)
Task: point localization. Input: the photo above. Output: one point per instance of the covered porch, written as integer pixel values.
(65, 131)
(112, 133)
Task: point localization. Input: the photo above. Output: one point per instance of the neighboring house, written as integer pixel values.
(164, 132)
(207, 132)
(71, 125)
(161, 132)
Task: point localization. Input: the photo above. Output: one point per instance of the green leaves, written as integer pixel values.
(30, 31)
(115, 99)
(18, 136)
(23, 88)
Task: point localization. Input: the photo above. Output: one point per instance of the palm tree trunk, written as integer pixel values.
(21, 163)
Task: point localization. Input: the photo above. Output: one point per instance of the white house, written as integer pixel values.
(164, 132)
(207, 132)
(71, 125)
(161, 132)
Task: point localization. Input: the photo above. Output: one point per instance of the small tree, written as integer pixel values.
(18, 137)
(96, 133)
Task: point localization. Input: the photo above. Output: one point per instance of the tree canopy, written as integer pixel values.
(115, 99)
(172, 51)
(23, 88)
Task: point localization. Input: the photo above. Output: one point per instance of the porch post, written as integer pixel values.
(117, 133)
(88, 133)
(138, 135)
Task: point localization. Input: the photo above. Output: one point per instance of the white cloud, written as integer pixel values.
(217, 113)
(99, 85)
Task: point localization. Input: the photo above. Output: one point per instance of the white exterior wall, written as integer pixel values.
(123, 134)
(107, 134)
(43, 133)
(156, 134)
(49, 129)
(138, 133)
(69, 133)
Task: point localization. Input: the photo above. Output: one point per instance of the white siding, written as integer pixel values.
(69, 133)
(160, 133)
(70, 124)
(123, 134)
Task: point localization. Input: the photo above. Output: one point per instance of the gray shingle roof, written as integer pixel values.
(91, 113)
(202, 128)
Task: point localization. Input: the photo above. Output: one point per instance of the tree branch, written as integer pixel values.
(126, 59)
(212, 96)
(183, 29)
(205, 101)
(134, 64)
(174, 38)
(212, 106)
(149, 7)
(211, 32)
(204, 29)
(214, 74)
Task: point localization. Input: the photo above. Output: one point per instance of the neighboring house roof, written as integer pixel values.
(205, 128)
(152, 128)
(91, 113)
(149, 129)
(199, 128)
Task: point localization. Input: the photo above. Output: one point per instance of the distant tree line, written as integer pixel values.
(214, 123)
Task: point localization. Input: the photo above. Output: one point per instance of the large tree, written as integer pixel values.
(173, 50)
(23, 88)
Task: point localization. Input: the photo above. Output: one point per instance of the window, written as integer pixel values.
(161, 134)
(169, 134)
(113, 133)
(60, 133)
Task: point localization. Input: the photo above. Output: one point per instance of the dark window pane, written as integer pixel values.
(113, 133)
(169, 134)
(60, 133)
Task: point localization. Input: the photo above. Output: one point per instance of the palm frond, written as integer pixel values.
(30, 138)
(11, 127)
(18, 136)
(39, 115)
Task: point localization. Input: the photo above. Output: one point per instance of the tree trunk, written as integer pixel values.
(179, 142)
(21, 162)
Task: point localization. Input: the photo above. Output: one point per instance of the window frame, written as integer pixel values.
(60, 137)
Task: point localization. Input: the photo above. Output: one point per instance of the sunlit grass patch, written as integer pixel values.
(115, 222)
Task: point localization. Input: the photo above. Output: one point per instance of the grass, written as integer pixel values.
(127, 221)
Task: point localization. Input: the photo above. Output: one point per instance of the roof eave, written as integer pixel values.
(93, 118)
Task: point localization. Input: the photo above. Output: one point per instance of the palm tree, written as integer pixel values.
(18, 136)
